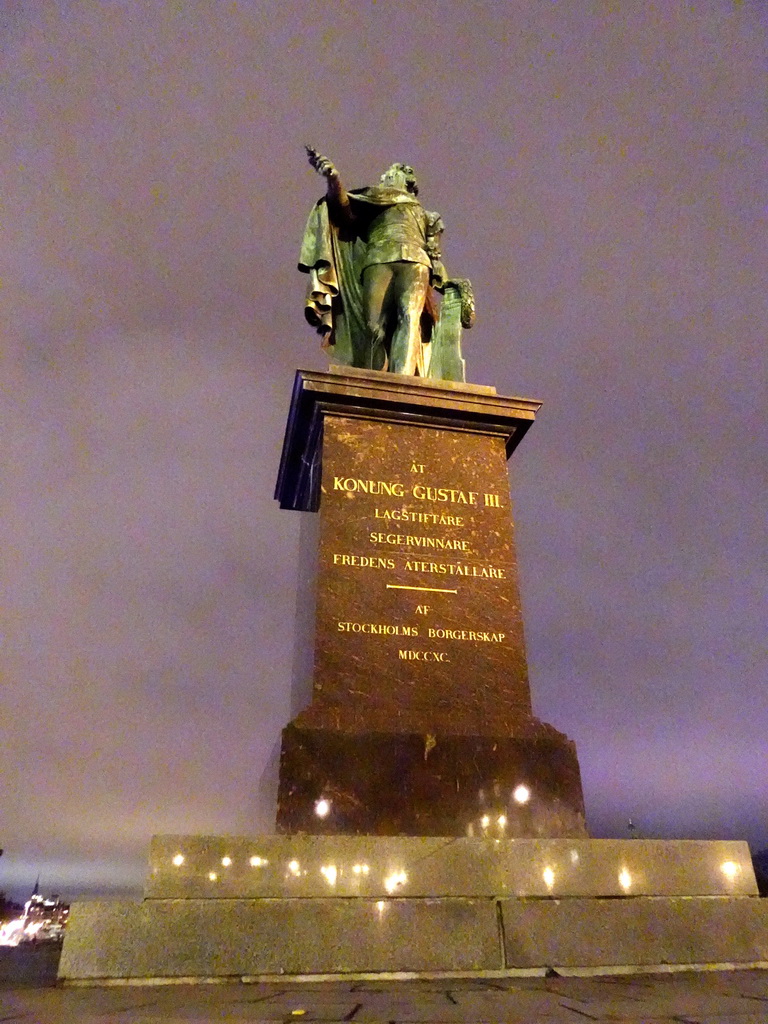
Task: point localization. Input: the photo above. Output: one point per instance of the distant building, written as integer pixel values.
(44, 919)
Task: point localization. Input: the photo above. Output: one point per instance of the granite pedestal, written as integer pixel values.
(420, 719)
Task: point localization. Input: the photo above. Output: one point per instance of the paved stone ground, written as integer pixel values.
(726, 997)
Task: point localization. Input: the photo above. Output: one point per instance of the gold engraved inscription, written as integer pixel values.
(422, 656)
(376, 629)
(407, 540)
(481, 635)
(450, 494)
(394, 519)
(364, 561)
(407, 515)
(488, 572)
(353, 486)
(421, 492)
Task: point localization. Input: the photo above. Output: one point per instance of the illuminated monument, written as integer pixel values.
(420, 719)
(427, 821)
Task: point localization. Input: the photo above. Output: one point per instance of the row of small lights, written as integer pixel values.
(256, 862)
(730, 869)
(226, 862)
(521, 795)
(398, 878)
(329, 871)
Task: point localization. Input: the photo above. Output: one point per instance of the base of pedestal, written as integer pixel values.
(388, 784)
(243, 908)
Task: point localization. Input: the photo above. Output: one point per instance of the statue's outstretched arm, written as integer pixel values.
(338, 199)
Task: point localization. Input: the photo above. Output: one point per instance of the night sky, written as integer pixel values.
(600, 170)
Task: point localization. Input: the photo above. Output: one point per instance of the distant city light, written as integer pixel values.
(322, 808)
(521, 794)
(485, 821)
(294, 867)
(44, 918)
(258, 862)
(361, 869)
(12, 932)
(212, 876)
(226, 862)
(730, 869)
(178, 860)
(549, 877)
(501, 820)
(625, 879)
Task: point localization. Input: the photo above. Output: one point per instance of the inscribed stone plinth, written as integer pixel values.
(418, 607)
(420, 721)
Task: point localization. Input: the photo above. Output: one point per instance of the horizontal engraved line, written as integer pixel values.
(431, 590)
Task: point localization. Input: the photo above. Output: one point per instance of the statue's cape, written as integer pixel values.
(334, 302)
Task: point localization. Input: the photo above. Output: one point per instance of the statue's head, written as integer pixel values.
(400, 176)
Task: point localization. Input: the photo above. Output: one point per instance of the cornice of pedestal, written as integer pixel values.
(387, 397)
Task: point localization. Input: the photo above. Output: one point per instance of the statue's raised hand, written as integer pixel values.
(321, 163)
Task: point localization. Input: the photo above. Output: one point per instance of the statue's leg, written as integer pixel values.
(377, 286)
(410, 287)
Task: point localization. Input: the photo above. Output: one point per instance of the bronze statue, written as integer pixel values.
(373, 256)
